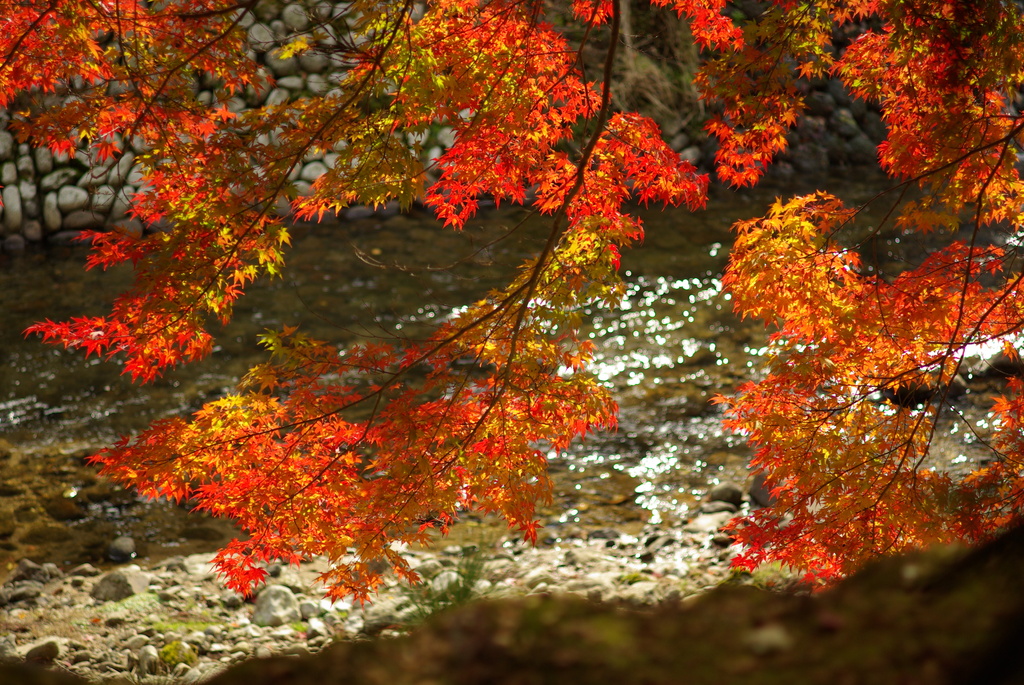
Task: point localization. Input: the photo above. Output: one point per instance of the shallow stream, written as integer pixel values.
(673, 347)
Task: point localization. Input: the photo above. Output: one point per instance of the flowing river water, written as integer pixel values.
(667, 352)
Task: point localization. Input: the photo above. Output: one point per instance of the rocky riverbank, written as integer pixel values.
(941, 617)
(176, 620)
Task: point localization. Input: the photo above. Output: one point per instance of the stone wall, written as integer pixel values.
(48, 199)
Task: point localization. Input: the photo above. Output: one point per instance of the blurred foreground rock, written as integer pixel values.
(937, 617)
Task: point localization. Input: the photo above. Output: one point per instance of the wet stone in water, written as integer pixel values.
(121, 549)
(726, 492)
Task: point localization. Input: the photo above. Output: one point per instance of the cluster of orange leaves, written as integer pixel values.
(346, 453)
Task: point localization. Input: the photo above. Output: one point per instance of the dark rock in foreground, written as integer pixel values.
(930, 618)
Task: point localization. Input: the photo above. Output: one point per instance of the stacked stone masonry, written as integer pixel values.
(48, 199)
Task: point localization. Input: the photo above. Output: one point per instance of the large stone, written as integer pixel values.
(8, 173)
(120, 584)
(66, 239)
(58, 178)
(13, 216)
(275, 606)
(292, 83)
(52, 217)
(30, 570)
(103, 199)
(122, 203)
(26, 168)
(313, 171)
(706, 524)
(317, 84)
(261, 37)
(199, 567)
(643, 593)
(843, 123)
(6, 145)
(45, 650)
(135, 176)
(385, 613)
(862, 150)
(278, 96)
(874, 127)
(72, 198)
(313, 62)
(122, 170)
(760, 494)
(819, 103)
(28, 191)
(44, 160)
(25, 590)
(14, 243)
(94, 177)
(149, 661)
(281, 67)
(33, 231)
(295, 17)
(83, 219)
(726, 492)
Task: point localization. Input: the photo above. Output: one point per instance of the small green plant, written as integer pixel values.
(181, 626)
(450, 588)
(772, 576)
(632, 577)
(142, 601)
(178, 652)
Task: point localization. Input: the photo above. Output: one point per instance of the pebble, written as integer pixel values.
(120, 584)
(45, 651)
(276, 605)
(445, 580)
(707, 524)
(317, 628)
(149, 662)
(308, 608)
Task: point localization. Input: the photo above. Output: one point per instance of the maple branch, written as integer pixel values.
(21, 39)
(588, 151)
(247, 6)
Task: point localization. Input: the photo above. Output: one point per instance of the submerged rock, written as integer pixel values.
(121, 549)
